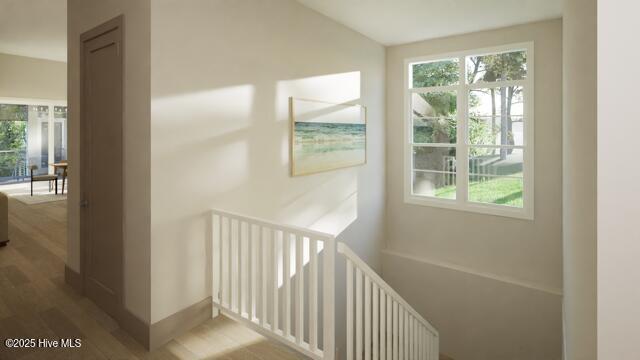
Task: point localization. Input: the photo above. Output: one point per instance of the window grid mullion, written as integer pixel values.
(409, 132)
(484, 146)
(430, 89)
(434, 145)
(496, 84)
(462, 151)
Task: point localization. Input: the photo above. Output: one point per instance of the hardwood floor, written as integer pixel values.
(35, 303)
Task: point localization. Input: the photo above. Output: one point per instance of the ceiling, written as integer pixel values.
(37, 28)
(392, 22)
(34, 28)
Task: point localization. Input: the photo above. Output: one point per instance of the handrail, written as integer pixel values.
(348, 253)
(380, 324)
(279, 226)
(280, 281)
(259, 280)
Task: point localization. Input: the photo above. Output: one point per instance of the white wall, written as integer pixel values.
(83, 15)
(25, 77)
(222, 72)
(516, 313)
(579, 179)
(618, 178)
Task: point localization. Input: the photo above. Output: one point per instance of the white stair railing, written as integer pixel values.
(280, 281)
(391, 329)
(266, 275)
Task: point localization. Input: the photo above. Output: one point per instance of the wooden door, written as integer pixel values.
(101, 165)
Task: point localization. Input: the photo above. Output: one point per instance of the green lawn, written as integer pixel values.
(503, 191)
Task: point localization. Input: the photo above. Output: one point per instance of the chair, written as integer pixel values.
(64, 174)
(49, 178)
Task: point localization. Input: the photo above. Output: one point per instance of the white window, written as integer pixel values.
(469, 131)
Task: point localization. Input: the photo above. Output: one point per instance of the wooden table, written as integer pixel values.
(63, 166)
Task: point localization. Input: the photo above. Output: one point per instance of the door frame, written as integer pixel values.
(106, 27)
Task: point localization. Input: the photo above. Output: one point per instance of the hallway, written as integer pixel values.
(36, 303)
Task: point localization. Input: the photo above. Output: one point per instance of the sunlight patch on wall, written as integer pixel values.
(188, 118)
(338, 88)
(335, 221)
(324, 202)
(332, 221)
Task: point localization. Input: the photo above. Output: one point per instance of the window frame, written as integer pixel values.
(462, 144)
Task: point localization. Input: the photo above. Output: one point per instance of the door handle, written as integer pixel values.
(84, 203)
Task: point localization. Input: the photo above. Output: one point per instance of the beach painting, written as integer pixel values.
(326, 136)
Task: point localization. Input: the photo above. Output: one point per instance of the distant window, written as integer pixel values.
(24, 137)
(469, 131)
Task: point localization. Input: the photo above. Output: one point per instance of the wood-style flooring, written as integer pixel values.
(35, 303)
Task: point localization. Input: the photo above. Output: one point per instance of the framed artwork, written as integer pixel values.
(326, 136)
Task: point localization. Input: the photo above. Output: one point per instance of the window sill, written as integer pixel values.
(486, 209)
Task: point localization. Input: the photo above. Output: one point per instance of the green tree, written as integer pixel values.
(13, 137)
(435, 121)
(500, 67)
(439, 73)
(443, 105)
